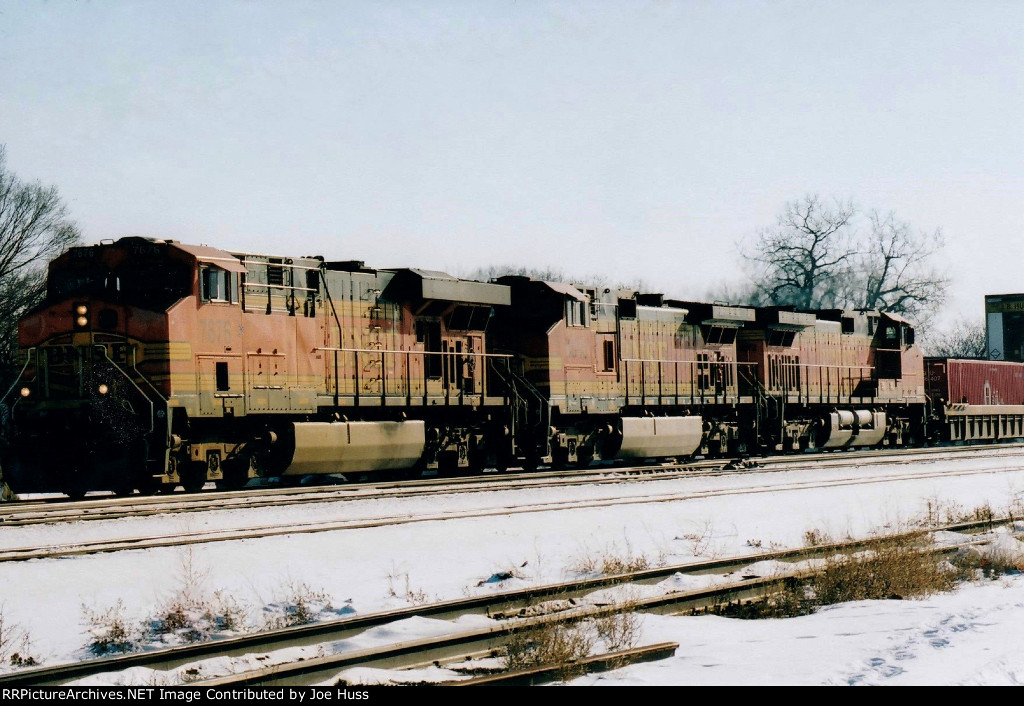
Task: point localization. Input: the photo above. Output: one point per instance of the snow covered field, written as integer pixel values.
(971, 636)
(375, 568)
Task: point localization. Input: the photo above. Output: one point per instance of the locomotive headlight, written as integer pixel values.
(103, 389)
(81, 320)
(82, 310)
(26, 391)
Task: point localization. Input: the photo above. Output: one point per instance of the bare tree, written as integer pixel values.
(896, 271)
(824, 256)
(807, 258)
(964, 339)
(34, 228)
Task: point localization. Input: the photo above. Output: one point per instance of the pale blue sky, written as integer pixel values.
(635, 139)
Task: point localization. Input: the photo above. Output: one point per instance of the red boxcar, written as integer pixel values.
(975, 382)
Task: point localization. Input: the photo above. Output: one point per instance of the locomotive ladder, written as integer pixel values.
(531, 412)
(762, 401)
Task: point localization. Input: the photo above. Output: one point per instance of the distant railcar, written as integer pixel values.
(977, 400)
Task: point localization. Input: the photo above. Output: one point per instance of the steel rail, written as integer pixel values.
(492, 637)
(223, 535)
(23, 514)
(595, 663)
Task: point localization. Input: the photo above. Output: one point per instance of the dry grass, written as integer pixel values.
(938, 512)
(559, 644)
(400, 586)
(110, 631)
(613, 561)
(194, 613)
(192, 617)
(300, 605)
(618, 631)
(15, 644)
(816, 538)
(887, 568)
(610, 564)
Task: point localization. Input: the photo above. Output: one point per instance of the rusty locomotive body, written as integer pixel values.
(153, 364)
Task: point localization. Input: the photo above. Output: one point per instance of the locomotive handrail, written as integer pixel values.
(128, 377)
(28, 357)
(697, 386)
(145, 379)
(408, 394)
(845, 385)
(289, 287)
(246, 255)
(826, 365)
(681, 360)
(390, 350)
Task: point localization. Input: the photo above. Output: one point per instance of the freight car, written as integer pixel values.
(154, 363)
(976, 400)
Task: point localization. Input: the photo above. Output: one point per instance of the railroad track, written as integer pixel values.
(482, 624)
(193, 537)
(53, 512)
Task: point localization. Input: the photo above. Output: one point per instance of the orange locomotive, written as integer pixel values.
(633, 375)
(153, 364)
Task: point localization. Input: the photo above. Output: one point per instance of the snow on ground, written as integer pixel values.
(970, 636)
(366, 570)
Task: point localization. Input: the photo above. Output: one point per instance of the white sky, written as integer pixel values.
(634, 139)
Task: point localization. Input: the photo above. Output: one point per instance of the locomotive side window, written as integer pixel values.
(222, 377)
(609, 356)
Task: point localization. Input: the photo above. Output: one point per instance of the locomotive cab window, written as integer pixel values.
(217, 285)
(575, 313)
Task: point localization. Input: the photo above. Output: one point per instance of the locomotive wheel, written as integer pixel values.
(559, 459)
(236, 475)
(75, 492)
(193, 477)
(76, 487)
